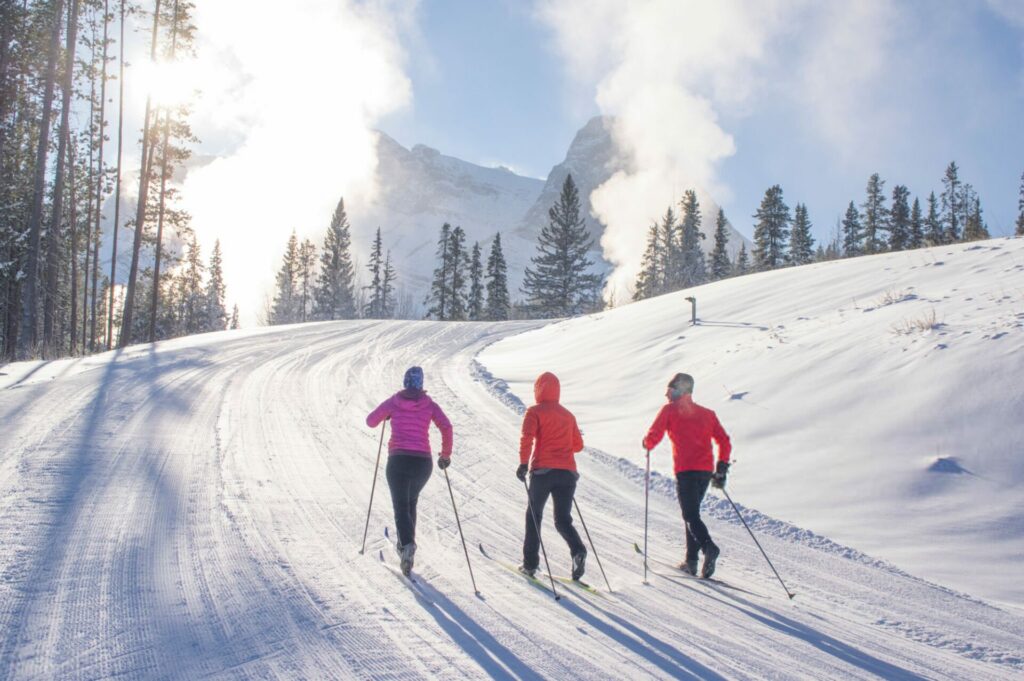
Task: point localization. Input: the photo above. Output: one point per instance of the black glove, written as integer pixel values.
(443, 462)
(522, 471)
(721, 471)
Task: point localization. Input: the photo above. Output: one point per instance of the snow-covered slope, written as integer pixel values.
(876, 400)
(195, 509)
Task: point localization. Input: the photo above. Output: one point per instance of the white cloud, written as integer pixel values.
(293, 96)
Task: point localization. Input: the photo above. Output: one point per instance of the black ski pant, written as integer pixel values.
(407, 474)
(560, 485)
(691, 486)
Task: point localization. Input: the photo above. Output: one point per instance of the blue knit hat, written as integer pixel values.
(413, 378)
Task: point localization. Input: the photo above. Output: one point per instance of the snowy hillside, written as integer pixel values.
(195, 509)
(875, 400)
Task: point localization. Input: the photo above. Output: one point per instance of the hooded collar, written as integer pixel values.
(547, 388)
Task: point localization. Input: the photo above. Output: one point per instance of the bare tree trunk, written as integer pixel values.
(140, 212)
(99, 177)
(117, 189)
(29, 302)
(89, 190)
(73, 219)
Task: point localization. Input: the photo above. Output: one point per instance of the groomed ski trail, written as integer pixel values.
(193, 511)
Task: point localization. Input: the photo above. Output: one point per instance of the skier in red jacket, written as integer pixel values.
(551, 435)
(691, 428)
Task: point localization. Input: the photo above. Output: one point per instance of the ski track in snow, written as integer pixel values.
(196, 511)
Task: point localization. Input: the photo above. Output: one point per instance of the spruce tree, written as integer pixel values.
(193, 296)
(876, 217)
(283, 310)
(694, 272)
(934, 233)
(374, 308)
(1020, 208)
(649, 279)
(771, 230)
(952, 208)
(916, 237)
(558, 284)
(307, 270)
(853, 234)
(459, 264)
(234, 318)
(801, 243)
(334, 293)
(742, 265)
(974, 225)
(387, 288)
(439, 299)
(498, 306)
(899, 219)
(476, 285)
(671, 259)
(720, 265)
(216, 313)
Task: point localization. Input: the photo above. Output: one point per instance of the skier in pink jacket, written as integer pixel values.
(411, 412)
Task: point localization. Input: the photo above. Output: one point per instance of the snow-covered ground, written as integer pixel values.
(196, 509)
(876, 400)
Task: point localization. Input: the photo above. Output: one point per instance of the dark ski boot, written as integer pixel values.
(579, 565)
(529, 572)
(711, 552)
(689, 567)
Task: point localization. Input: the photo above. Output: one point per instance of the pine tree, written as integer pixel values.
(853, 234)
(334, 293)
(1020, 208)
(216, 313)
(720, 265)
(285, 304)
(649, 281)
(234, 318)
(458, 264)
(974, 226)
(387, 289)
(801, 243)
(876, 217)
(558, 284)
(193, 298)
(694, 272)
(307, 270)
(952, 205)
(742, 265)
(771, 230)
(476, 285)
(916, 237)
(374, 308)
(899, 219)
(671, 260)
(498, 306)
(439, 298)
(934, 234)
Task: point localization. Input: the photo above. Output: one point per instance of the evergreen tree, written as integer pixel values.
(216, 313)
(439, 300)
(285, 305)
(558, 284)
(1020, 208)
(476, 285)
(459, 263)
(387, 288)
(853, 235)
(307, 270)
(720, 265)
(974, 226)
(952, 205)
(916, 237)
(374, 308)
(875, 215)
(193, 298)
(649, 281)
(694, 272)
(498, 306)
(900, 219)
(671, 259)
(771, 230)
(334, 293)
(742, 265)
(934, 234)
(801, 243)
(234, 318)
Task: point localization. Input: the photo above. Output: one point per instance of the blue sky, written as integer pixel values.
(491, 84)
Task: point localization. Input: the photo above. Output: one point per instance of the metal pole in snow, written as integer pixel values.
(376, 467)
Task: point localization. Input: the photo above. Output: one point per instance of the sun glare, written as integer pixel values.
(169, 83)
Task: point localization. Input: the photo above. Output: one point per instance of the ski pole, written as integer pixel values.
(758, 544)
(592, 548)
(459, 524)
(373, 487)
(647, 480)
(536, 526)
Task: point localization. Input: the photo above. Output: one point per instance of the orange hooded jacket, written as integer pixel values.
(549, 429)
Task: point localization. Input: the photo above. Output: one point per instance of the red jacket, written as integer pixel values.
(549, 429)
(691, 428)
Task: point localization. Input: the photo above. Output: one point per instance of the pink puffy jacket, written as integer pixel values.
(411, 412)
